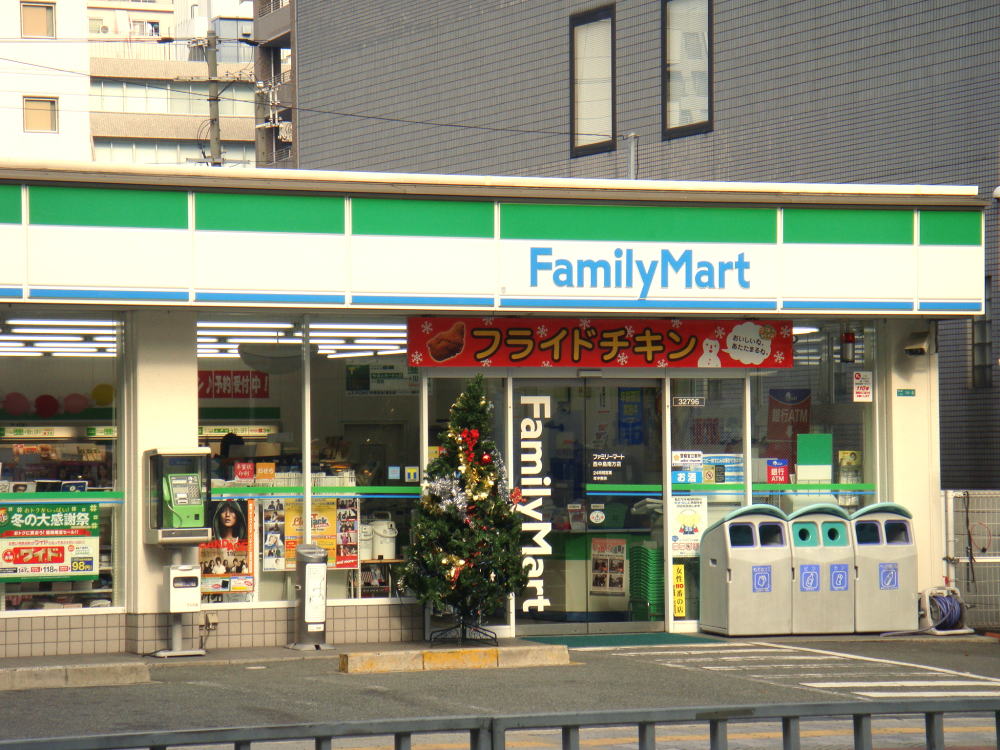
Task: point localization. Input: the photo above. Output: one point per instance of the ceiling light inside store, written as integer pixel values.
(344, 355)
(378, 341)
(218, 355)
(81, 331)
(262, 333)
(8, 337)
(21, 353)
(360, 326)
(53, 348)
(358, 347)
(40, 322)
(83, 354)
(390, 351)
(232, 324)
(803, 330)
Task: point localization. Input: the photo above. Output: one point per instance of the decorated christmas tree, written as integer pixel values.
(465, 556)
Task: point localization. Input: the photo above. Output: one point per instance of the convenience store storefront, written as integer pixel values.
(659, 354)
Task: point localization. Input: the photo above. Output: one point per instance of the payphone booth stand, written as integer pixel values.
(178, 485)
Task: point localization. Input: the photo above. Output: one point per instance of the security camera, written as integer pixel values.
(917, 343)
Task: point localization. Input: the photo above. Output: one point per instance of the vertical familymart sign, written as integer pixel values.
(535, 487)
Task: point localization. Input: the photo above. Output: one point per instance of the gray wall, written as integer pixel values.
(803, 90)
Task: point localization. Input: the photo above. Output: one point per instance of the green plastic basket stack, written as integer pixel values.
(646, 583)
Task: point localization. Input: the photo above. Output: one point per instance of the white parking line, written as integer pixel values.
(900, 683)
(932, 694)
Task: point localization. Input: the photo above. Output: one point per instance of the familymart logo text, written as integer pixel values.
(625, 269)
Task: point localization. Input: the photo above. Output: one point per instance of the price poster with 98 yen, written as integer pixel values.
(49, 542)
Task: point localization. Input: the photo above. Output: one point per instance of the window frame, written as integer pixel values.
(606, 12)
(55, 113)
(50, 7)
(703, 126)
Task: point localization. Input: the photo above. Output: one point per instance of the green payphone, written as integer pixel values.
(178, 486)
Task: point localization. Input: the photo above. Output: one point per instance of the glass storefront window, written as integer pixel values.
(58, 462)
(363, 448)
(708, 472)
(588, 459)
(813, 424)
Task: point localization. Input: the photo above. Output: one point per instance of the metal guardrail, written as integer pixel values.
(490, 733)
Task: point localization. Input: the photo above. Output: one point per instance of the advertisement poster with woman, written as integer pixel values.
(227, 561)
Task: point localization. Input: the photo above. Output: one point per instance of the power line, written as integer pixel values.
(377, 118)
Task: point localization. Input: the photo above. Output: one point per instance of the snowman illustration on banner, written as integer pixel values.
(709, 354)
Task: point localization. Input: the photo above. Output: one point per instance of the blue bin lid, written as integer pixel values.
(825, 509)
(758, 509)
(893, 508)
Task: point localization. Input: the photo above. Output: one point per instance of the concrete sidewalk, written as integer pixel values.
(30, 673)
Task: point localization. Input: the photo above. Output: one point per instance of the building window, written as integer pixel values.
(96, 26)
(145, 28)
(38, 19)
(40, 115)
(982, 343)
(687, 67)
(592, 71)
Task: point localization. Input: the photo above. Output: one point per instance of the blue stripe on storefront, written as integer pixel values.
(11, 291)
(951, 306)
(639, 304)
(384, 299)
(108, 294)
(330, 299)
(833, 304)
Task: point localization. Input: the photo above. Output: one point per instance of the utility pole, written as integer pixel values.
(214, 136)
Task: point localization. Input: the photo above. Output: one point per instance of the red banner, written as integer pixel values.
(600, 342)
(233, 384)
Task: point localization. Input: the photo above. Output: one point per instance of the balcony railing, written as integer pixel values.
(269, 6)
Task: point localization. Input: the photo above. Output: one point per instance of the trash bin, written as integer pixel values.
(886, 569)
(746, 573)
(822, 570)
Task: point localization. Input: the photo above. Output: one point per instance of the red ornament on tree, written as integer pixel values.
(486, 458)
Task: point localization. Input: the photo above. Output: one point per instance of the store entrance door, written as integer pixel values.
(588, 457)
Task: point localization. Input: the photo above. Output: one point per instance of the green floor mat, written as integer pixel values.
(619, 639)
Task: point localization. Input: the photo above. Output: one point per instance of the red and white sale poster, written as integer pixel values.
(603, 342)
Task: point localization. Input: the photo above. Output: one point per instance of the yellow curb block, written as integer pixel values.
(374, 662)
(461, 658)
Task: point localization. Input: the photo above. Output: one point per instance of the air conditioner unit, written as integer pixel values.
(104, 30)
(285, 132)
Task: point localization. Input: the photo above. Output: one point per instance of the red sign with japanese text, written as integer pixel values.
(233, 384)
(600, 342)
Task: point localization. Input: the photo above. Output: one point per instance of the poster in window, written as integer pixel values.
(227, 561)
(49, 542)
(607, 566)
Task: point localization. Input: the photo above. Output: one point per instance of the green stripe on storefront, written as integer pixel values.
(421, 218)
(601, 487)
(239, 412)
(951, 228)
(247, 212)
(848, 226)
(107, 207)
(522, 221)
(319, 492)
(10, 204)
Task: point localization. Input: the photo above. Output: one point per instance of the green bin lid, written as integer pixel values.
(827, 509)
(759, 509)
(894, 508)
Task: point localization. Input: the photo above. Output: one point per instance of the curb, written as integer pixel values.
(79, 675)
(422, 660)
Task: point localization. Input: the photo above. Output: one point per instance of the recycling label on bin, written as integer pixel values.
(839, 577)
(809, 578)
(888, 576)
(762, 579)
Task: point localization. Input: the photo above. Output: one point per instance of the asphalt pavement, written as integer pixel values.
(280, 686)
